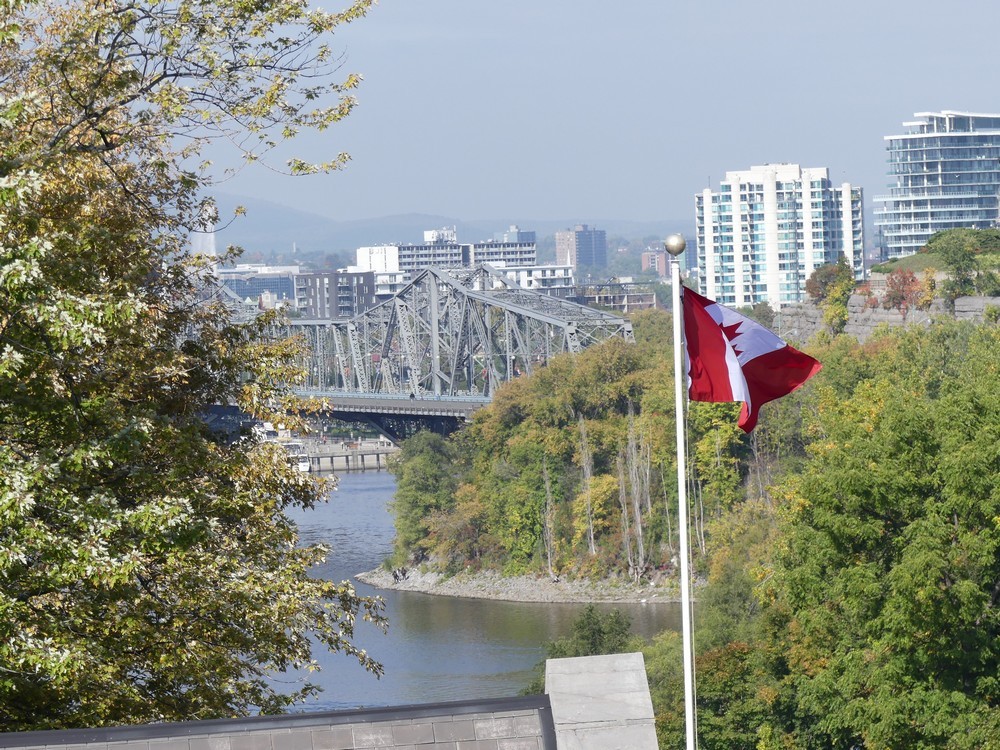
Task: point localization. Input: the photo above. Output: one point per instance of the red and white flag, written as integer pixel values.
(733, 358)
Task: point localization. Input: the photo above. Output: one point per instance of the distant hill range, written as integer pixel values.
(273, 229)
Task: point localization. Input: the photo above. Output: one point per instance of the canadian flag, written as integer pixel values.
(733, 358)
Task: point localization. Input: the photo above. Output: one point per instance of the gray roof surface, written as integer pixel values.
(494, 724)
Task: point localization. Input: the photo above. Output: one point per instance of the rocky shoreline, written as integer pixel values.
(490, 585)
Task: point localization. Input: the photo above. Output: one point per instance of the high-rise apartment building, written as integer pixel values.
(582, 246)
(766, 229)
(944, 174)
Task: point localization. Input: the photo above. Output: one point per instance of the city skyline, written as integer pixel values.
(570, 110)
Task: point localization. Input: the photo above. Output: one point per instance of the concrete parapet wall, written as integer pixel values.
(503, 724)
(863, 318)
(601, 702)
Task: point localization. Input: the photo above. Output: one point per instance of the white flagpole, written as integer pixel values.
(675, 246)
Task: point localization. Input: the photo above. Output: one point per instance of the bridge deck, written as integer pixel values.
(335, 402)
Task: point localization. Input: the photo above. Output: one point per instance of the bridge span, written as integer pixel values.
(396, 416)
(440, 348)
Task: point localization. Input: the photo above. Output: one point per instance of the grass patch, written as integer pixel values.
(917, 263)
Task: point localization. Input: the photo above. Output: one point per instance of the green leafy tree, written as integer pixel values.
(426, 482)
(957, 250)
(148, 571)
(762, 312)
(825, 280)
(965, 255)
(830, 286)
(594, 633)
(882, 601)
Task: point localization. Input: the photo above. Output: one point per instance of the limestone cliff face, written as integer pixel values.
(799, 323)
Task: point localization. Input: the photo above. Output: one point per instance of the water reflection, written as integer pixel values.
(437, 648)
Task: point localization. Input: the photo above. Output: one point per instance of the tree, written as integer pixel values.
(148, 571)
(594, 633)
(830, 286)
(962, 252)
(426, 482)
(762, 312)
(903, 291)
(956, 248)
(882, 598)
(826, 278)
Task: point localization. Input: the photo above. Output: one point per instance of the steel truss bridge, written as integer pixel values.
(440, 348)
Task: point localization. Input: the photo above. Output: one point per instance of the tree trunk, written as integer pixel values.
(588, 471)
(623, 501)
(547, 531)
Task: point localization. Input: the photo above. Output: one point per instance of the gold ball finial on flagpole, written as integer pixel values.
(675, 244)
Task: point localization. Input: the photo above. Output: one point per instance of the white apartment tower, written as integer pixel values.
(945, 172)
(766, 229)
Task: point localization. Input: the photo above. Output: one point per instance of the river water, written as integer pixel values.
(437, 648)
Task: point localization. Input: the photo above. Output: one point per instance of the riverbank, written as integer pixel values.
(489, 585)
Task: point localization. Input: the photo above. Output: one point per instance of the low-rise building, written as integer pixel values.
(441, 249)
(556, 281)
(623, 294)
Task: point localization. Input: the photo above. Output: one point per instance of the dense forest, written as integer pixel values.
(846, 552)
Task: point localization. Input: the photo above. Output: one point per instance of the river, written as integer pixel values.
(437, 648)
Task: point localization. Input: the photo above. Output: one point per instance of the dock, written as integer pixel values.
(361, 455)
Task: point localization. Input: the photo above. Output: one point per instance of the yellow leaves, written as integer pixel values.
(602, 498)
(805, 654)
(797, 503)
(768, 694)
(234, 67)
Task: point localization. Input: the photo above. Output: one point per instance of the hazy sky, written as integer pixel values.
(578, 109)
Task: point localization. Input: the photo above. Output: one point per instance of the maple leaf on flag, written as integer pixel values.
(730, 357)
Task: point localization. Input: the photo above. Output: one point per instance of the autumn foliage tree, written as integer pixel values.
(147, 569)
(903, 291)
(830, 286)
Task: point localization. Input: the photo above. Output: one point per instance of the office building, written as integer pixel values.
(441, 249)
(582, 247)
(270, 285)
(944, 173)
(766, 229)
(330, 295)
